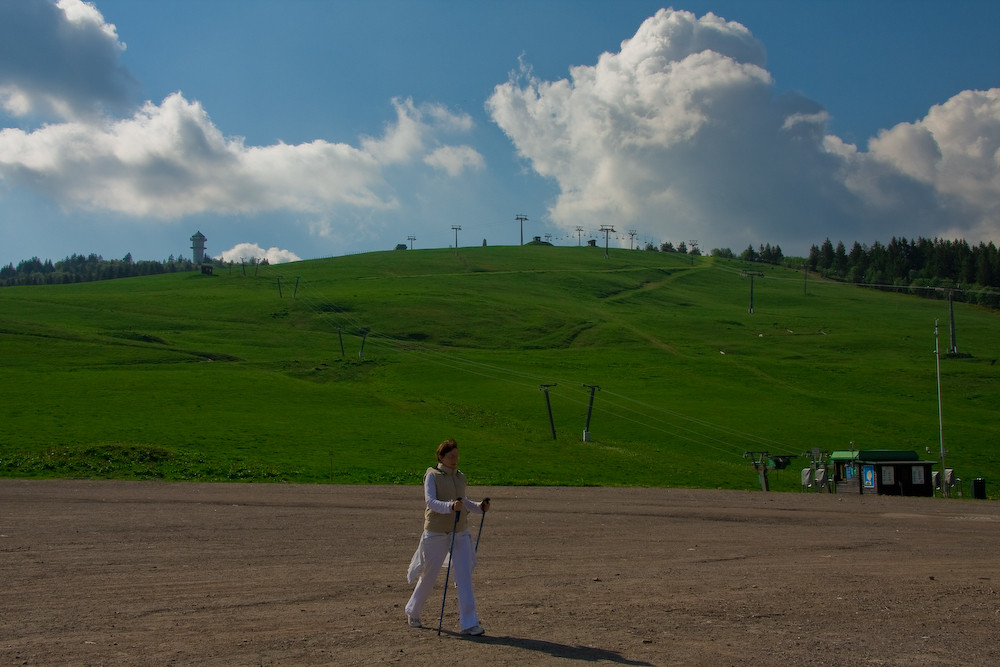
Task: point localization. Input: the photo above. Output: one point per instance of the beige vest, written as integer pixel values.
(450, 485)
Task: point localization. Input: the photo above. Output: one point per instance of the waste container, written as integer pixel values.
(979, 488)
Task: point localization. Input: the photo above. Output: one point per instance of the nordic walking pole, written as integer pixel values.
(481, 522)
(451, 550)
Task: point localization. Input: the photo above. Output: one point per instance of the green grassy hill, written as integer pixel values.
(231, 377)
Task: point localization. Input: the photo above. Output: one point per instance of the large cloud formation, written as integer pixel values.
(59, 58)
(680, 132)
(168, 160)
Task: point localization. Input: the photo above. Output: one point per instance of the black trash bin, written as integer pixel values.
(979, 488)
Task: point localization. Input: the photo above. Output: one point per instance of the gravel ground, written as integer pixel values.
(127, 573)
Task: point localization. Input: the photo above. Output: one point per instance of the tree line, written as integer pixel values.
(935, 267)
(765, 253)
(87, 268)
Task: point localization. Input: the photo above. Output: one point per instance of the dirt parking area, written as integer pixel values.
(129, 573)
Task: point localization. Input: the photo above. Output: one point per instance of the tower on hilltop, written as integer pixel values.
(198, 246)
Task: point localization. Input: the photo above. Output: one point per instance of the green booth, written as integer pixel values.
(890, 472)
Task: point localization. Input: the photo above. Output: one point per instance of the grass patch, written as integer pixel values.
(133, 462)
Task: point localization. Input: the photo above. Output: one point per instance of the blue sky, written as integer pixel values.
(304, 128)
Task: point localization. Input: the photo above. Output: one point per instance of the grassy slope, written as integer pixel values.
(195, 377)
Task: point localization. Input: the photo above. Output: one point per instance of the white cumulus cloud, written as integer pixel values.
(59, 59)
(680, 132)
(166, 161)
(169, 160)
(413, 134)
(955, 150)
(455, 159)
(252, 251)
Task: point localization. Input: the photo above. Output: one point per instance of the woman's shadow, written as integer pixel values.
(585, 653)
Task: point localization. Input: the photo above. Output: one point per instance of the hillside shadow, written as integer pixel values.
(583, 653)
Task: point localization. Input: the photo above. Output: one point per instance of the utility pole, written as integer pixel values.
(548, 238)
(545, 388)
(521, 217)
(607, 229)
(631, 235)
(937, 364)
(590, 410)
(457, 228)
(693, 243)
(579, 230)
(751, 274)
(411, 239)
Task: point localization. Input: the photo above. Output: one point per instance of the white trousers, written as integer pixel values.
(434, 549)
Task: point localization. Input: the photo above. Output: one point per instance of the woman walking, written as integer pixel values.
(444, 495)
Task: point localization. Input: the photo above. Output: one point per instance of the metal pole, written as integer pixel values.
(520, 217)
(481, 522)
(447, 573)
(364, 337)
(548, 405)
(953, 349)
(607, 229)
(751, 274)
(590, 407)
(937, 364)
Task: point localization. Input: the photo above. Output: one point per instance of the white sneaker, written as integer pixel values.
(413, 621)
(474, 631)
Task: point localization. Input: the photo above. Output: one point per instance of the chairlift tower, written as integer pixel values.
(953, 348)
(759, 461)
(544, 388)
(522, 218)
(752, 275)
(590, 410)
(607, 229)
